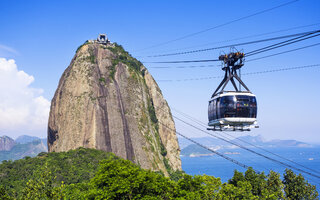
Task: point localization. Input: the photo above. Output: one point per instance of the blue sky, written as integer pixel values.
(42, 36)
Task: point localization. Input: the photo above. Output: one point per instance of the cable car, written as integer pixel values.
(232, 110)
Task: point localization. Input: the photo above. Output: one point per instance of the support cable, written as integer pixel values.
(239, 38)
(184, 61)
(210, 66)
(251, 53)
(282, 44)
(283, 52)
(182, 67)
(245, 148)
(220, 25)
(249, 73)
(205, 126)
(233, 45)
(207, 148)
(195, 120)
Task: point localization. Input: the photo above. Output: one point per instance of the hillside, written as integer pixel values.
(108, 100)
(19, 149)
(23, 139)
(194, 150)
(95, 174)
(71, 167)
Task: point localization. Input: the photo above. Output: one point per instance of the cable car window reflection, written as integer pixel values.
(227, 106)
(233, 106)
(218, 110)
(214, 110)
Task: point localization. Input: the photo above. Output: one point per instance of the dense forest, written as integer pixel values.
(93, 174)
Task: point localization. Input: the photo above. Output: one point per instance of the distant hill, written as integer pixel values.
(24, 146)
(194, 150)
(30, 146)
(256, 140)
(188, 148)
(207, 141)
(23, 139)
(260, 141)
(287, 143)
(6, 143)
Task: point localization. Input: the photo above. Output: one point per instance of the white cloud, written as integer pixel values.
(22, 108)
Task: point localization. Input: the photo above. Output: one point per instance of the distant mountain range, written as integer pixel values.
(190, 149)
(23, 146)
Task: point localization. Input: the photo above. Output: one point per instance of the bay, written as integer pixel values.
(219, 167)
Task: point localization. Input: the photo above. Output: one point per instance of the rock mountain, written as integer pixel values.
(23, 146)
(6, 143)
(108, 100)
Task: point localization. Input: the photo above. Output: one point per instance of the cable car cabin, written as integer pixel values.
(233, 110)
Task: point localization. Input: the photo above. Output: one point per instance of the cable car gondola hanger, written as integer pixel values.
(232, 110)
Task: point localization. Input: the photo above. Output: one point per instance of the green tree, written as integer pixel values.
(242, 191)
(42, 187)
(94, 174)
(237, 176)
(121, 179)
(296, 187)
(257, 181)
(4, 194)
(177, 175)
(210, 186)
(198, 187)
(275, 186)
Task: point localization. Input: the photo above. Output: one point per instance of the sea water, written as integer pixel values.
(219, 167)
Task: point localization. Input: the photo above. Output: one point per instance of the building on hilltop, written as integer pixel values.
(103, 39)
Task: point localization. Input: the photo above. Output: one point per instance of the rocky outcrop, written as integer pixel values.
(19, 150)
(6, 143)
(108, 100)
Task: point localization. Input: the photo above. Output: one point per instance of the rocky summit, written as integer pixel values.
(6, 143)
(108, 100)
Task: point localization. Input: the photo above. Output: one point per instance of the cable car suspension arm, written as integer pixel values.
(232, 62)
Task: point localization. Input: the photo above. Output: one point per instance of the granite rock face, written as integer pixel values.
(108, 100)
(6, 143)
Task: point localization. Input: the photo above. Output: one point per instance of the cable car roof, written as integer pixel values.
(232, 93)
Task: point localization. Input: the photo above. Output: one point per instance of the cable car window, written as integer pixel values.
(227, 106)
(214, 110)
(218, 109)
(210, 110)
(246, 106)
(253, 107)
(236, 106)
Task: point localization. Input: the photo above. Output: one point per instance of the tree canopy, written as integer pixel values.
(94, 174)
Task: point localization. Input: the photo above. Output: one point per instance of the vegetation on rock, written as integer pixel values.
(124, 57)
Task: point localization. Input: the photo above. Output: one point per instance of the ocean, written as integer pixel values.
(219, 167)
